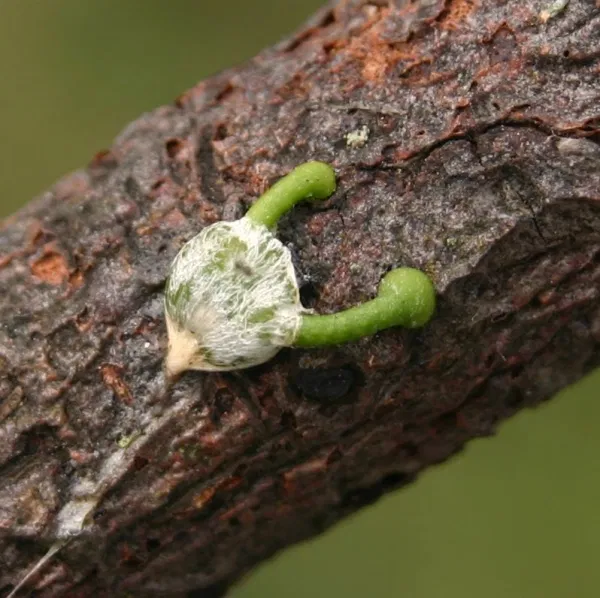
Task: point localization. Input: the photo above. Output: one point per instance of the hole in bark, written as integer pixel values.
(234, 522)
(567, 53)
(325, 384)
(38, 440)
(173, 147)
(309, 294)
(328, 19)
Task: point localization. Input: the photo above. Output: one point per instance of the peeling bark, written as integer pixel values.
(466, 139)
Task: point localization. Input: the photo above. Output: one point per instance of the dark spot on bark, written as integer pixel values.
(514, 399)
(325, 384)
(446, 421)
(335, 456)
(299, 40)
(221, 132)
(288, 420)
(215, 591)
(224, 93)
(410, 449)
(158, 184)
(329, 47)
(132, 188)
(503, 46)
(389, 152)
(240, 470)
(328, 19)
(181, 538)
(68, 469)
(152, 544)
(99, 514)
(103, 160)
(360, 497)
(223, 404)
(476, 392)
(132, 562)
(517, 371)
(139, 462)
(498, 317)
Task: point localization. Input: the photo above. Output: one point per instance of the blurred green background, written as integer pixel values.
(516, 516)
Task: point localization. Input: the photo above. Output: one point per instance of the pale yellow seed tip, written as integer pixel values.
(182, 353)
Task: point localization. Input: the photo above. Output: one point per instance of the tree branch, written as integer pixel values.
(466, 142)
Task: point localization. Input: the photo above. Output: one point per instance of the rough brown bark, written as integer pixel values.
(479, 162)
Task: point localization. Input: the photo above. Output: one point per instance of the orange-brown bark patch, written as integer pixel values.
(51, 268)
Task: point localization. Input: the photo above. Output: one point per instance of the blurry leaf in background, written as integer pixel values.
(515, 516)
(74, 73)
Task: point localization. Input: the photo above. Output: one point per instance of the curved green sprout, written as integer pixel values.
(311, 180)
(406, 298)
(232, 299)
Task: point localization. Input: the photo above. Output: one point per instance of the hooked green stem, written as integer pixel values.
(312, 180)
(406, 298)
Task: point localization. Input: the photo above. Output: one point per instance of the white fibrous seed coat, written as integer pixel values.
(231, 300)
